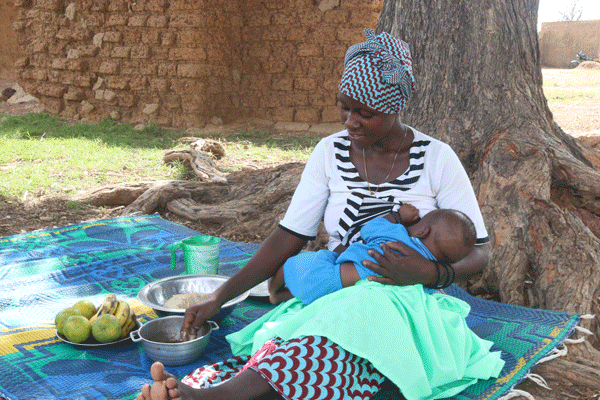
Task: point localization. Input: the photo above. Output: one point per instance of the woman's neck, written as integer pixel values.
(395, 141)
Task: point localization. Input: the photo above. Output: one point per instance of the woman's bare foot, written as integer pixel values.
(247, 385)
(165, 386)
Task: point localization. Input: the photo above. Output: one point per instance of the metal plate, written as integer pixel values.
(260, 290)
(156, 293)
(91, 342)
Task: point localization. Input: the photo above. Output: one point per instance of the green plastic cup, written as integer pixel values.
(200, 254)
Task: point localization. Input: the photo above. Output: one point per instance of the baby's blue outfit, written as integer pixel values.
(311, 275)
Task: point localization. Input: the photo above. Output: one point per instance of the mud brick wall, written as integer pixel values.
(182, 63)
(9, 49)
(561, 41)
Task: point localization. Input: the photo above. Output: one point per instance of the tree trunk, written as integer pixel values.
(479, 89)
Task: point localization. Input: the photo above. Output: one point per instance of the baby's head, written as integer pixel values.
(449, 234)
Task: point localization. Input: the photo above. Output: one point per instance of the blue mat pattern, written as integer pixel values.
(43, 272)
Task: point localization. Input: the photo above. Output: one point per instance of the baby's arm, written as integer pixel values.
(408, 214)
(348, 274)
(278, 292)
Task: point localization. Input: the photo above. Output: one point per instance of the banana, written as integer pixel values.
(114, 303)
(127, 328)
(110, 304)
(130, 324)
(122, 312)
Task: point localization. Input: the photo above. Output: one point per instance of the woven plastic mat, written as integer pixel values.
(43, 272)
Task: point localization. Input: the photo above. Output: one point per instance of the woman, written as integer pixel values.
(368, 331)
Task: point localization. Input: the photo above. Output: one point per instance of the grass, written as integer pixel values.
(566, 95)
(582, 85)
(582, 77)
(44, 155)
(264, 148)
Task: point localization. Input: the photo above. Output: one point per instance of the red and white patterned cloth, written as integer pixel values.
(306, 368)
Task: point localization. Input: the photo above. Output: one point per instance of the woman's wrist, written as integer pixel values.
(226, 292)
(444, 275)
(430, 274)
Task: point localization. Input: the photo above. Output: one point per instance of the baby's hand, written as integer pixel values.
(408, 213)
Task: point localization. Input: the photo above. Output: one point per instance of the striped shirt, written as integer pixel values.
(331, 190)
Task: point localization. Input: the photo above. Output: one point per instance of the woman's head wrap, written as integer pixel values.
(378, 73)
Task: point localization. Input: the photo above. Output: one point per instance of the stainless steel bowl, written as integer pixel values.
(160, 340)
(156, 293)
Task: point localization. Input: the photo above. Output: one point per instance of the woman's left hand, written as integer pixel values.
(406, 268)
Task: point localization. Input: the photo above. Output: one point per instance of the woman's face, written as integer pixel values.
(366, 126)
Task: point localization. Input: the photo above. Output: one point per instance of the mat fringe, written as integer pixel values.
(555, 353)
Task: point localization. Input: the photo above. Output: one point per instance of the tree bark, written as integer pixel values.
(479, 89)
(115, 195)
(567, 380)
(198, 159)
(247, 206)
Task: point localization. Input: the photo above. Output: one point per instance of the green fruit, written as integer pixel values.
(106, 328)
(77, 328)
(85, 307)
(62, 316)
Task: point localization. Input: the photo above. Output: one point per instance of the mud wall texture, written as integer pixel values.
(561, 41)
(9, 49)
(182, 63)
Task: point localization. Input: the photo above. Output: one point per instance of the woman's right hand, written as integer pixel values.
(196, 315)
(268, 258)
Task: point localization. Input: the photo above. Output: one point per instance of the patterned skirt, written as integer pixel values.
(307, 368)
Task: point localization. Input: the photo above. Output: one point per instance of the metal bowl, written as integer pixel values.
(160, 340)
(156, 293)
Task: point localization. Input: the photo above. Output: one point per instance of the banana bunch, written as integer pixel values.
(109, 306)
(121, 310)
(129, 322)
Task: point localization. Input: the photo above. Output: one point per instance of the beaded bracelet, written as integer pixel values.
(450, 275)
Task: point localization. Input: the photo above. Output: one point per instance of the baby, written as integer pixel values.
(443, 235)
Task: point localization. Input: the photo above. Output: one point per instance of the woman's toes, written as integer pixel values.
(145, 394)
(157, 371)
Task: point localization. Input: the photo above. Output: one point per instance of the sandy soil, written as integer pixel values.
(577, 117)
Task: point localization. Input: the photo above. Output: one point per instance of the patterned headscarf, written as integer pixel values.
(378, 73)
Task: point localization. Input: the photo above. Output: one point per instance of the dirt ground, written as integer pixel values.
(33, 213)
(577, 117)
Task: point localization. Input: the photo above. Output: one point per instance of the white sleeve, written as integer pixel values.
(454, 190)
(306, 209)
